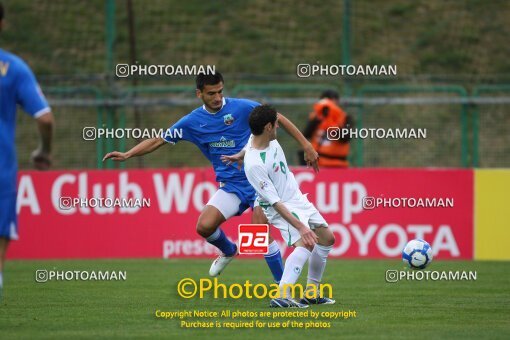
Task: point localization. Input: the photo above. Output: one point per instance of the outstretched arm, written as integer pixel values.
(142, 148)
(237, 158)
(311, 156)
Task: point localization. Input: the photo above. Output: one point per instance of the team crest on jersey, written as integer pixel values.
(263, 185)
(228, 119)
(276, 167)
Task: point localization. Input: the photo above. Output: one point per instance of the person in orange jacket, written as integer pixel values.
(327, 113)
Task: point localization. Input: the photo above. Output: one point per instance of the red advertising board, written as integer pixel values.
(433, 204)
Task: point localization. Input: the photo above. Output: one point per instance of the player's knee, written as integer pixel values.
(205, 226)
(327, 239)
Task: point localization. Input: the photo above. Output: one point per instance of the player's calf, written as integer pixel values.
(317, 265)
(293, 268)
(4, 242)
(208, 227)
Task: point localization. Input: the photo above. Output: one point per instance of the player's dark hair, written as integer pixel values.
(1, 12)
(208, 79)
(330, 94)
(260, 116)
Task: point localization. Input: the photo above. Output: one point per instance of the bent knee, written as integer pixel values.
(327, 239)
(209, 220)
(205, 227)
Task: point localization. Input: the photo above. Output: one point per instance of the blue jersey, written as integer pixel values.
(17, 86)
(225, 132)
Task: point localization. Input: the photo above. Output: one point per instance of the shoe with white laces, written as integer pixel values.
(220, 263)
(317, 301)
(286, 303)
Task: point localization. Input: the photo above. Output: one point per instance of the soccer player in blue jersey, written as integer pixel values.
(220, 127)
(17, 86)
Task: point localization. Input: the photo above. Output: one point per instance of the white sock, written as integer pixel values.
(293, 267)
(273, 248)
(1, 280)
(317, 264)
(214, 236)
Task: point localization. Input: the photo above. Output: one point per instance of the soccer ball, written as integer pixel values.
(417, 254)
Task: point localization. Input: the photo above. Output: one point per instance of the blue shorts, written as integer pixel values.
(8, 217)
(244, 191)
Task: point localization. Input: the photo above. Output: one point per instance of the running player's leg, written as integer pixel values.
(293, 266)
(319, 255)
(220, 208)
(318, 259)
(295, 262)
(274, 256)
(8, 228)
(4, 242)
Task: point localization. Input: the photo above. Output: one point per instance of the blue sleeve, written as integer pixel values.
(251, 104)
(248, 106)
(179, 131)
(29, 94)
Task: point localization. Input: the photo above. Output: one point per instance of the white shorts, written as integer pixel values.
(303, 211)
(227, 203)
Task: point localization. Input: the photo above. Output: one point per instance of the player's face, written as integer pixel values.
(212, 96)
(272, 130)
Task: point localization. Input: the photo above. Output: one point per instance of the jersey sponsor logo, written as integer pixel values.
(228, 119)
(253, 238)
(4, 68)
(223, 143)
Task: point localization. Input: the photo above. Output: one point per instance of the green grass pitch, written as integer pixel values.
(114, 309)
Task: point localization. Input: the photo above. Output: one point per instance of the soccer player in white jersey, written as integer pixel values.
(300, 223)
(219, 127)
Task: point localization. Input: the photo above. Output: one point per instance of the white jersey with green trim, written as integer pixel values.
(268, 173)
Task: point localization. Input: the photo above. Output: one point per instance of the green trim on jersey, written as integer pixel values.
(264, 205)
(295, 215)
(263, 156)
(283, 167)
(290, 238)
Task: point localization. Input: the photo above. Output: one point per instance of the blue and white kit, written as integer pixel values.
(18, 86)
(224, 132)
